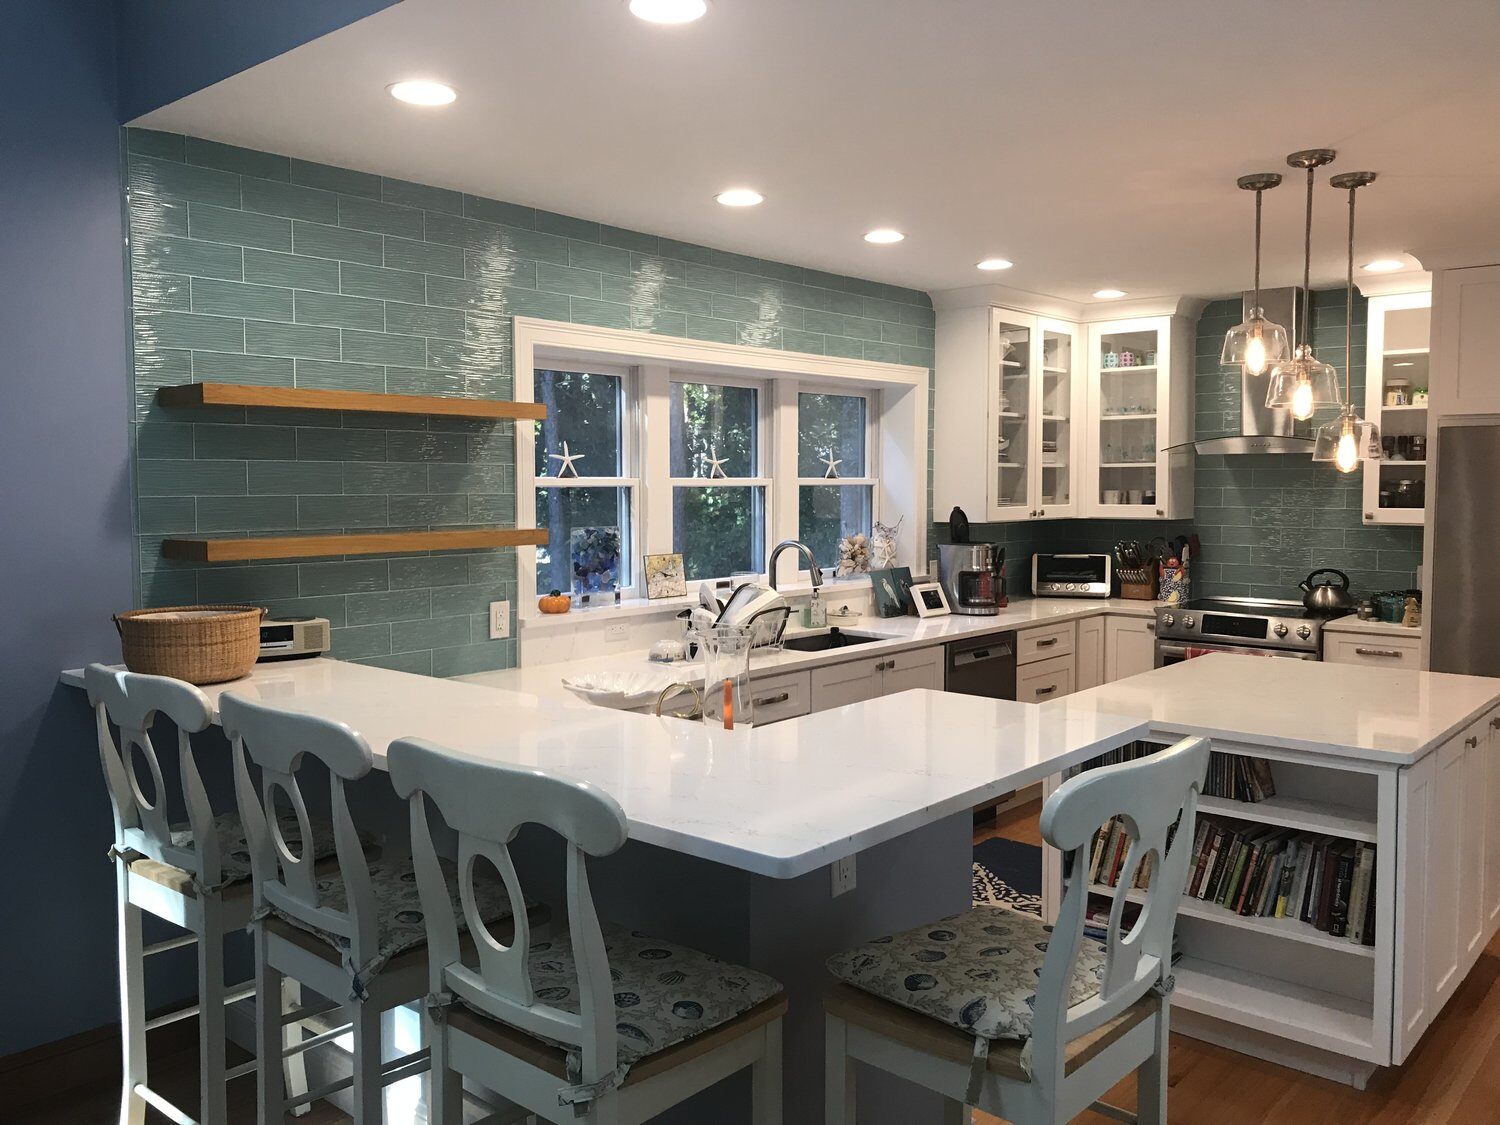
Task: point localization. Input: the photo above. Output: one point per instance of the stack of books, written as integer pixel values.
(1265, 872)
(1237, 777)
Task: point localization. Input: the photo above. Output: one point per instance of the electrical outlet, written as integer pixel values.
(843, 875)
(614, 633)
(499, 620)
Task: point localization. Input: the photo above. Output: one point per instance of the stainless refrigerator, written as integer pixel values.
(1462, 578)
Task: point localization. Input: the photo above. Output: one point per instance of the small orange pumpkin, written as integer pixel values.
(555, 602)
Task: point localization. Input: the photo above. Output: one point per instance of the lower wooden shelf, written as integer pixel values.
(377, 543)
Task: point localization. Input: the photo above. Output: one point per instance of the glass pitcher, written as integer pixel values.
(725, 653)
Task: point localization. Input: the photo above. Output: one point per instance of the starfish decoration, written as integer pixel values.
(567, 468)
(832, 472)
(715, 462)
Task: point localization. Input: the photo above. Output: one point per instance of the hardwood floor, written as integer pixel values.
(1453, 1077)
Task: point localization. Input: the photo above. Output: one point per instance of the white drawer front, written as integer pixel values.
(1044, 680)
(1044, 643)
(1376, 651)
(780, 697)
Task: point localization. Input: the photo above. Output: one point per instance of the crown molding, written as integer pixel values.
(1457, 257)
(1082, 312)
(1390, 284)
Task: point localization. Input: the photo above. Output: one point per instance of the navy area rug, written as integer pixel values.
(1008, 872)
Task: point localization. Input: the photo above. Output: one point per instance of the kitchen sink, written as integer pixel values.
(834, 638)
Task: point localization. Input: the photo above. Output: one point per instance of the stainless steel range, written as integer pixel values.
(1255, 626)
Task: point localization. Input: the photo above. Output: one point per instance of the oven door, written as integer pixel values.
(1175, 652)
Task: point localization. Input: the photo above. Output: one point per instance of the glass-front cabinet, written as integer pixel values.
(1031, 412)
(1397, 350)
(1139, 405)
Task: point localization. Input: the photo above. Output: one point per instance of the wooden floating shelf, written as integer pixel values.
(379, 543)
(304, 398)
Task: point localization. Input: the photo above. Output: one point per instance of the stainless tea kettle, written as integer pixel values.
(1326, 596)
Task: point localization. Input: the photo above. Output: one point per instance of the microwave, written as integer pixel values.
(1072, 575)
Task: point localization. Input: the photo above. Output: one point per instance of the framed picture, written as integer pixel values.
(891, 588)
(930, 600)
(665, 577)
(594, 554)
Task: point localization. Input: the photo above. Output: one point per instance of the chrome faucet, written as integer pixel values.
(812, 563)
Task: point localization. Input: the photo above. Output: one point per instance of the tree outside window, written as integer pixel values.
(718, 527)
(832, 426)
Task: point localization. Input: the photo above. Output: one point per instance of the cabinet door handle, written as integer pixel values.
(1472, 741)
(1046, 642)
(1046, 690)
(1389, 653)
(772, 699)
(1495, 723)
(885, 665)
(1160, 512)
(1041, 511)
(1369, 515)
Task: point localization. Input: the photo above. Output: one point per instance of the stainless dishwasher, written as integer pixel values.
(983, 666)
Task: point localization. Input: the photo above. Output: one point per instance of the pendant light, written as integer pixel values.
(1348, 439)
(1304, 383)
(1256, 343)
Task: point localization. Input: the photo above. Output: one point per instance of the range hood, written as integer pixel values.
(1263, 429)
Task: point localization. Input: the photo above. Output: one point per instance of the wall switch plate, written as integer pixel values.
(843, 875)
(614, 633)
(499, 620)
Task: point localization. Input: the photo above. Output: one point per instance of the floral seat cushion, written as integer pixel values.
(234, 849)
(976, 972)
(398, 906)
(664, 993)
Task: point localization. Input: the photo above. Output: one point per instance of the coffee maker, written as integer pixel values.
(970, 575)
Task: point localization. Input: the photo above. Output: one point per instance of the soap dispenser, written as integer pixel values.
(815, 615)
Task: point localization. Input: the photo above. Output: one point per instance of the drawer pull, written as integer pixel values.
(1472, 741)
(1046, 642)
(1390, 653)
(772, 699)
(1046, 690)
(1495, 723)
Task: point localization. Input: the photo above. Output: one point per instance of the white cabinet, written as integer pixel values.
(1446, 882)
(1374, 649)
(1045, 679)
(1042, 642)
(774, 698)
(1397, 352)
(1088, 656)
(1008, 397)
(1139, 403)
(1466, 339)
(858, 680)
(1129, 646)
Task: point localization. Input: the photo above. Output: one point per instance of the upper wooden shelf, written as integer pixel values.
(303, 398)
(378, 543)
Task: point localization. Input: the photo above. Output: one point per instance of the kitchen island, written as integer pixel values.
(732, 833)
(1406, 761)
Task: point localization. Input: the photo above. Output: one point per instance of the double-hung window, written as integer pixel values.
(584, 458)
(835, 478)
(719, 506)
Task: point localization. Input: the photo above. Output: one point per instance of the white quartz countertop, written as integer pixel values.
(1342, 710)
(1352, 624)
(780, 800)
(897, 633)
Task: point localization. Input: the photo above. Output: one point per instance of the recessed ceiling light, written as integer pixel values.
(996, 264)
(1109, 294)
(884, 234)
(420, 91)
(669, 11)
(1384, 265)
(740, 197)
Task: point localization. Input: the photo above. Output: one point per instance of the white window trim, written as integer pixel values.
(896, 446)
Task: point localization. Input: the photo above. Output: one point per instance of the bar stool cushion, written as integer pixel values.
(398, 905)
(234, 849)
(976, 971)
(664, 993)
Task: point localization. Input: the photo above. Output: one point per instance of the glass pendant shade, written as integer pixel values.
(1347, 440)
(1256, 344)
(1303, 384)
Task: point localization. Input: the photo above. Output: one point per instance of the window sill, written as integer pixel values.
(606, 610)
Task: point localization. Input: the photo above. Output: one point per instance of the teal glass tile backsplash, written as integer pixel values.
(252, 267)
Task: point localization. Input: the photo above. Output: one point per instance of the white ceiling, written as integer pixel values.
(1095, 143)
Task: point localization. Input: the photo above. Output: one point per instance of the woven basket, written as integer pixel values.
(202, 644)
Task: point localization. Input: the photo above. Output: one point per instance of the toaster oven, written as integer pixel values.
(1071, 575)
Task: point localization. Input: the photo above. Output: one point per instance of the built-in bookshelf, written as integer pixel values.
(1256, 945)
